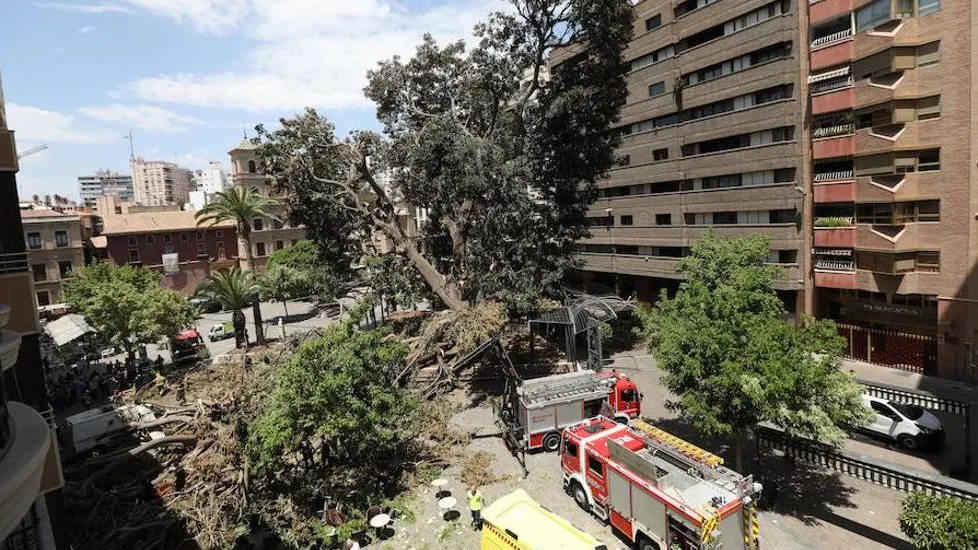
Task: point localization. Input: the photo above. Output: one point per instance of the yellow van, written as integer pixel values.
(517, 522)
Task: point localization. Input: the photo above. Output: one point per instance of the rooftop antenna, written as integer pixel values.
(244, 131)
(132, 148)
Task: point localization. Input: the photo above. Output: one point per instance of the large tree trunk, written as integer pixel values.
(259, 324)
(440, 284)
(739, 438)
(239, 321)
(245, 259)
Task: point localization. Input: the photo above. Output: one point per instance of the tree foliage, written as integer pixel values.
(939, 523)
(282, 283)
(126, 305)
(340, 385)
(320, 271)
(731, 359)
(502, 157)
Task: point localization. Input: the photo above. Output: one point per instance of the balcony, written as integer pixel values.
(823, 10)
(834, 147)
(835, 237)
(831, 84)
(842, 129)
(23, 465)
(831, 38)
(847, 266)
(836, 279)
(835, 191)
(833, 176)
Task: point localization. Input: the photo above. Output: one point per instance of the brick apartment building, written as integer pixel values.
(139, 236)
(842, 129)
(713, 138)
(267, 235)
(894, 102)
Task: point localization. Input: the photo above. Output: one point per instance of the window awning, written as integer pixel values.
(828, 74)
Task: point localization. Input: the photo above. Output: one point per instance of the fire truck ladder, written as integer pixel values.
(559, 389)
(707, 464)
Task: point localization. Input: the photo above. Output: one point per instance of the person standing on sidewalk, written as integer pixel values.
(475, 506)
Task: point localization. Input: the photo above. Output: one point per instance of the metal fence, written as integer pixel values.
(924, 400)
(864, 467)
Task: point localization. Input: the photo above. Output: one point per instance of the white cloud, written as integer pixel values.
(308, 52)
(85, 8)
(32, 124)
(86, 30)
(146, 117)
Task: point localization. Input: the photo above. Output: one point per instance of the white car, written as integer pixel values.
(909, 425)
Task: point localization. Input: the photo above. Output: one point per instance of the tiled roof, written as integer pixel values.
(154, 222)
(36, 214)
(245, 145)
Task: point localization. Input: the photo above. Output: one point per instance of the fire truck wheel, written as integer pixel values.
(551, 442)
(580, 497)
(645, 544)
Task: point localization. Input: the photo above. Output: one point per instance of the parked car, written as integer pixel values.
(206, 305)
(220, 332)
(911, 426)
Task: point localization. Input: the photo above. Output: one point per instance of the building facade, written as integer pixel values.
(894, 98)
(714, 138)
(212, 179)
(55, 247)
(157, 182)
(267, 235)
(30, 467)
(104, 182)
(170, 242)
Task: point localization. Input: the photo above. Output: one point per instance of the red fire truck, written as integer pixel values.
(185, 347)
(657, 490)
(534, 411)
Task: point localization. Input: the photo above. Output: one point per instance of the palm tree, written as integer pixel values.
(240, 205)
(234, 290)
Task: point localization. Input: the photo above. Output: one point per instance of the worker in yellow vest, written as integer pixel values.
(475, 506)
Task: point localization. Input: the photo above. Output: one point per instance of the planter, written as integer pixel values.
(9, 348)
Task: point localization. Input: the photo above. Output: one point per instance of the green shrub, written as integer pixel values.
(833, 222)
(939, 523)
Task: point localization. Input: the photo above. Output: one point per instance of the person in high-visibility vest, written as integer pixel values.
(475, 506)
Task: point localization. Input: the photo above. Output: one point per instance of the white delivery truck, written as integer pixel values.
(94, 428)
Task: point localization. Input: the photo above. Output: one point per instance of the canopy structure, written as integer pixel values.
(582, 313)
(67, 329)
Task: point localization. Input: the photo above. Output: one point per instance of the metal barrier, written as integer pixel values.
(924, 400)
(864, 467)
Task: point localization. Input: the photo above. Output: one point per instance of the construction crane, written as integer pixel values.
(32, 150)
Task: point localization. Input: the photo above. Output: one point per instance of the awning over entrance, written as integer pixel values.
(67, 329)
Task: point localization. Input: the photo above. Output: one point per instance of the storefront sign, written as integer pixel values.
(171, 264)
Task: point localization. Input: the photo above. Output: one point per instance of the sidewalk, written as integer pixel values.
(939, 387)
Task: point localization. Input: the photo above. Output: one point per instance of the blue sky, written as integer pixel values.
(186, 75)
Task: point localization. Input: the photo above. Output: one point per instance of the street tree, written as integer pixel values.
(240, 205)
(282, 283)
(939, 522)
(339, 385)
(126, 305)
(500, 151)
(732, 361)
(234, 290)
(321, 270)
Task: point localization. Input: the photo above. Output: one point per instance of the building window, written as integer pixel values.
(64, 269)
(277, 224)
(653, 22)
(663, 219)
(43, 298)
(724, 218)
(221, 255)
(259, 249)
(257, 224)
(40, 272)
(624, 160)
(279, 245)
(929, 160)
(251, 166)
(167, 248)
(167, 239)
(219, 233)
(657, 89)
(927, 7)
(595, 466)
(133, 242)
(184, 237)
(627, 220)
(150, 239)
(134, 256)
(34, 241)
(201, 250)
(660, 154)
(61, 239)
(873, 14)
(200, 235)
